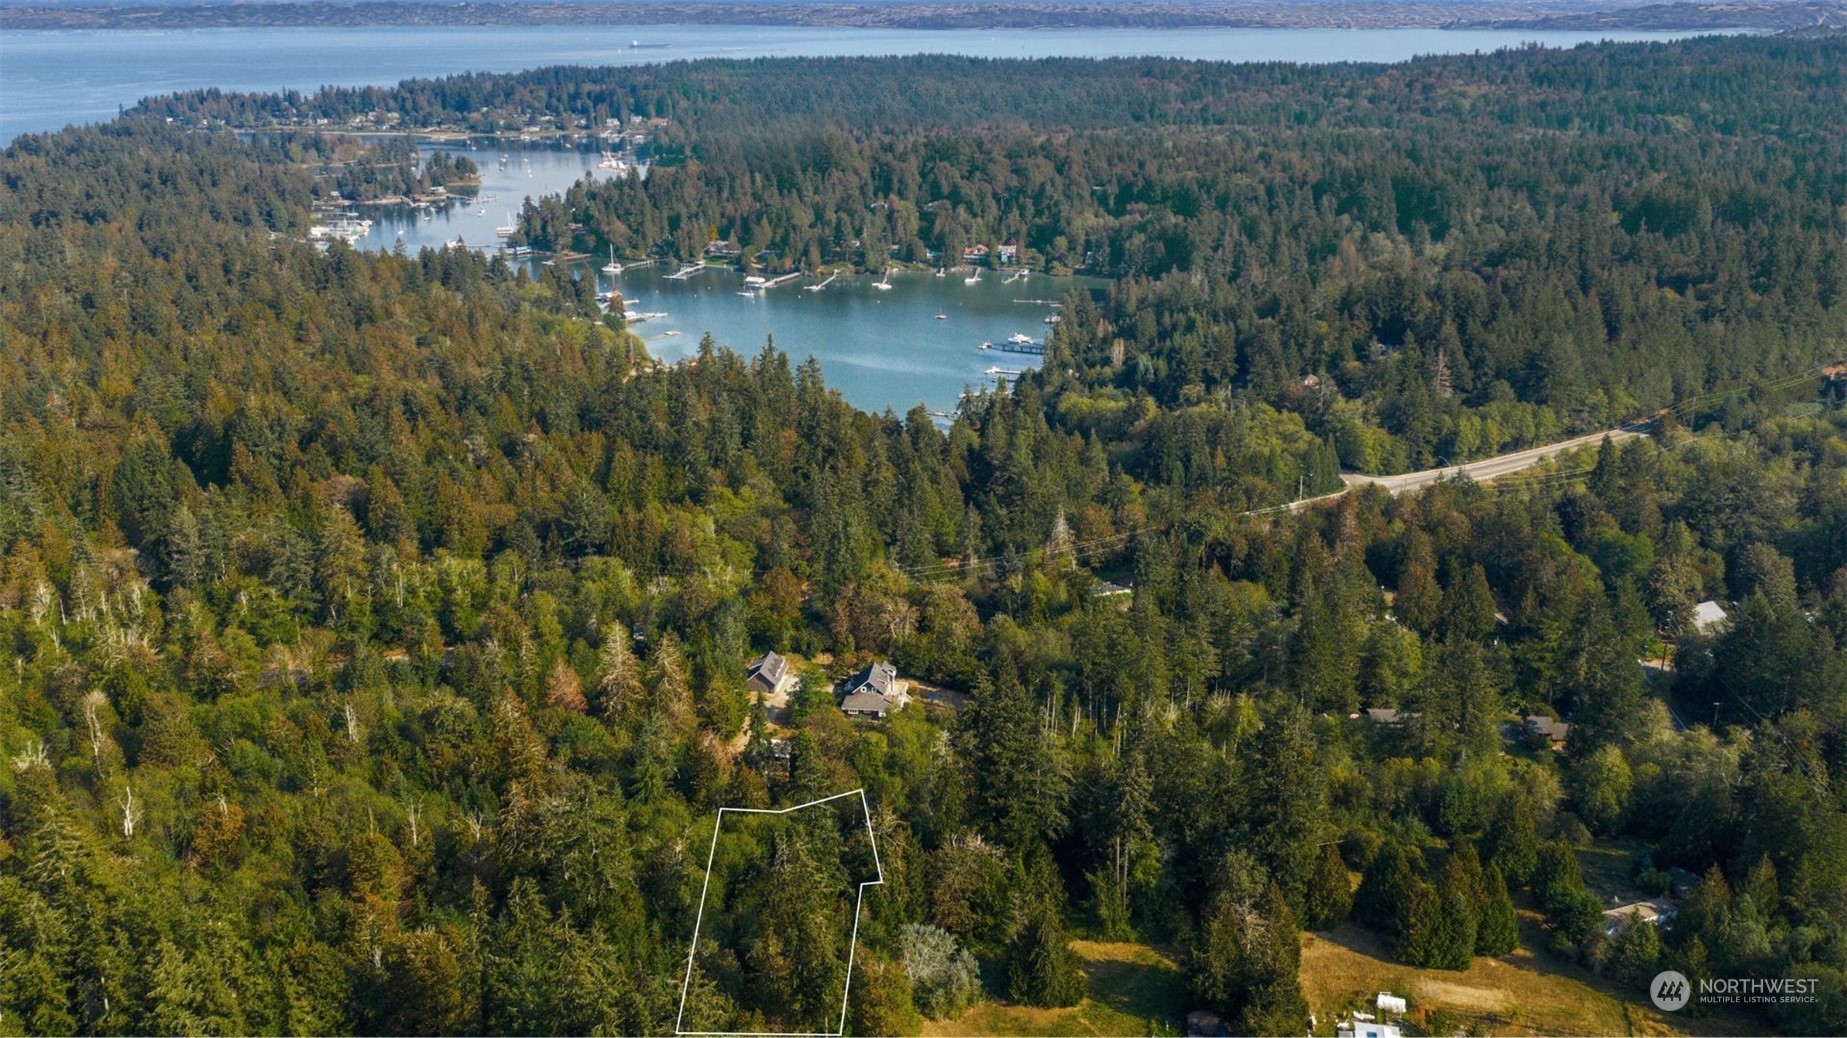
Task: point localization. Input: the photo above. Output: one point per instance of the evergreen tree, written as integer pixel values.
(1498, 932)
(1041, 970)
(880, 1000)
(1329, 895)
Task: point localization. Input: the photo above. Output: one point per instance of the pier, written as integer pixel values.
(685, 272)
(1036, 349)
(822, 285)
(785, 279)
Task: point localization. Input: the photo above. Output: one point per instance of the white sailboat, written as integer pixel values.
(973, 279)
(612, 268)
(884, 283)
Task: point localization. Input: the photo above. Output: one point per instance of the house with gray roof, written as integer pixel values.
(1548, 730)
(873, 692)
(770, 675)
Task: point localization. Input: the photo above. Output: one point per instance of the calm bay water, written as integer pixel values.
(881, 348)
(50, 79)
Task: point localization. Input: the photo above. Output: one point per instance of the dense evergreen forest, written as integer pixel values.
(378, 623)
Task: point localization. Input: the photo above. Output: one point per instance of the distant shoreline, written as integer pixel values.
(966, 15)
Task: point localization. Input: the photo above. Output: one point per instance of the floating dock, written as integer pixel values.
(1036, 349)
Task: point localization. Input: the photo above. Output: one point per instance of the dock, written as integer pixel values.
(1036, 349)
(785, 279)
(685, 272)
(822, 285)
(1019, 275)
(1002, 371)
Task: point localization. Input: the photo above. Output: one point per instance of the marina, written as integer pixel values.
(893, 338)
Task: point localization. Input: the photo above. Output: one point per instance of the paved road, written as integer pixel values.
(1480, 471)
(1489, 468)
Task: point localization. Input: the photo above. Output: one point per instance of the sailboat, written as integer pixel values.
(612, 268)
(885, 283)
(973, 279)
(506, 230)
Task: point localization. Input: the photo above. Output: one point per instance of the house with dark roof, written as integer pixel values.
(770, 675)
(1550, 730)
(874, 692)
(1683, 882)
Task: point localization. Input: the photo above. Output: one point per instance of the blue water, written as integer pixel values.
(50, 79)
(881, 348)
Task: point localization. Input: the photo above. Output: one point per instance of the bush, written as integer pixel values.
(945, 979)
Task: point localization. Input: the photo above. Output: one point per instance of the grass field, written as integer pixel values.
(1132, 990)
(1528, 992)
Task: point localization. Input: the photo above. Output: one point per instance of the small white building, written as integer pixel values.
(1707, 616)
(1366, 1029)
(1390, 1003)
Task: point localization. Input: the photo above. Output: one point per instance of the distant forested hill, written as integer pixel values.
(376, 625)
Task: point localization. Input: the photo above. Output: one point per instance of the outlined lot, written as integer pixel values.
(775, 919)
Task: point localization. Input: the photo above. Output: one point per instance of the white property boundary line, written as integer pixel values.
(852, 944)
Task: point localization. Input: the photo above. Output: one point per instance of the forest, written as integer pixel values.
(379, 622)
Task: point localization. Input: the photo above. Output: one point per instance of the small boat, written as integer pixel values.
(987, 345)
(612, 268)
(940, 272)
(1051, 318)
(506, 230)
(942, 317)
(973, 279)
(884, 283)
(1020, 339)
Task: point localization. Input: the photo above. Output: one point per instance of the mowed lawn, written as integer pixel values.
(1132, 990)
(1528, 992)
